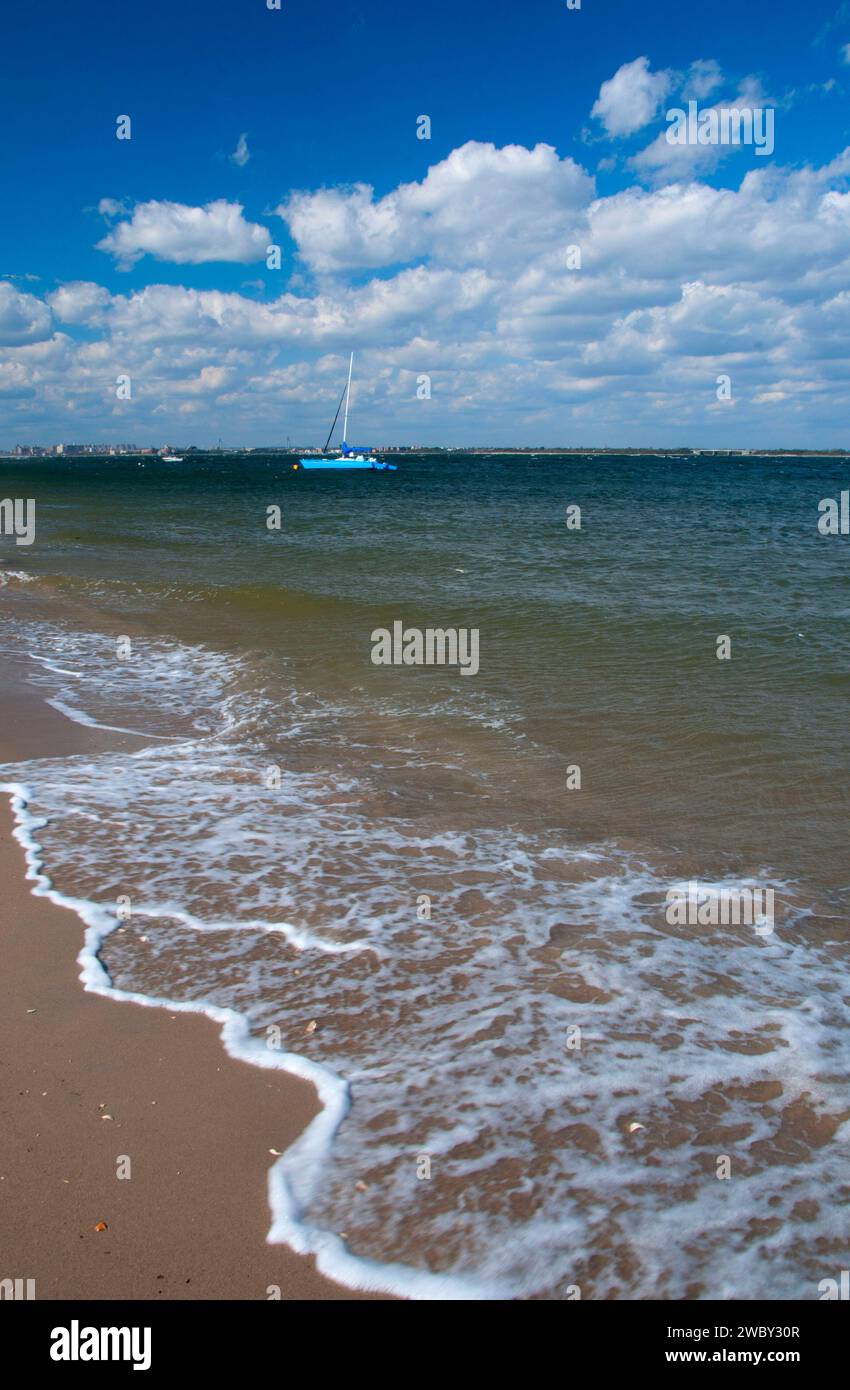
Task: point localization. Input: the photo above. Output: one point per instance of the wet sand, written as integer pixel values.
(85, 1080)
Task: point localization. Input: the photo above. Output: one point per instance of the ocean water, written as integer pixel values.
(379, 876)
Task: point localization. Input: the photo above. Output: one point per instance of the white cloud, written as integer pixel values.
(677, 284)
(113, 207)
(80, 302)
(702, 78)
(845, 53)
(186, 235)
(15, 382)
(631, 98)
(378, 312)
(241, 154)
(23, 317)
(663, 162)
(479, 203)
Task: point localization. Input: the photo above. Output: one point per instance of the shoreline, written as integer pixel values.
(89, 1082)
(437, 451)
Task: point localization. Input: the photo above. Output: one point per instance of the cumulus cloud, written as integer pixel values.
(677, 284)
(630, 99)
(23, 317)
(14, 382)
(80, 302)
(479, 203)
(378, 312)
(186, 235)
(663, 162)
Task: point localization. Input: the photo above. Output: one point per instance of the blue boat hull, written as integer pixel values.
(347, 464)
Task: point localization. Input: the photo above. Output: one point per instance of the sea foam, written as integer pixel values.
(448, 1039)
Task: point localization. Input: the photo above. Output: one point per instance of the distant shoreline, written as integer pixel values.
(438, 451)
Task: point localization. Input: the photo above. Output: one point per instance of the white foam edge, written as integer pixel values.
(79, 717)
(294, 1177)
(299, 939)
(51, 666)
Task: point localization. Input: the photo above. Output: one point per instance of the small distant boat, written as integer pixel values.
(171, 458)
(351, 456)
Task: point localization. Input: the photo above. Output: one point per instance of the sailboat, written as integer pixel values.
(351, 455)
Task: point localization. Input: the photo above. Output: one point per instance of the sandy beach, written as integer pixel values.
(85, 1080)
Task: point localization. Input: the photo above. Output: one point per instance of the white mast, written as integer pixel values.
(347, 398)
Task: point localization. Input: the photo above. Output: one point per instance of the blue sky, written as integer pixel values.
(439, 258)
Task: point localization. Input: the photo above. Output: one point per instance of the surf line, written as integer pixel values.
(295, 1176)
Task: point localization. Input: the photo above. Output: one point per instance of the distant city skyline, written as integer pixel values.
(546, 264)
(91, 451)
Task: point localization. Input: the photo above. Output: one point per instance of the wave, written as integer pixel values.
(445, 1040)
(293, 1176)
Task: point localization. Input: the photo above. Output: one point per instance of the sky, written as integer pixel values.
(544, 268)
